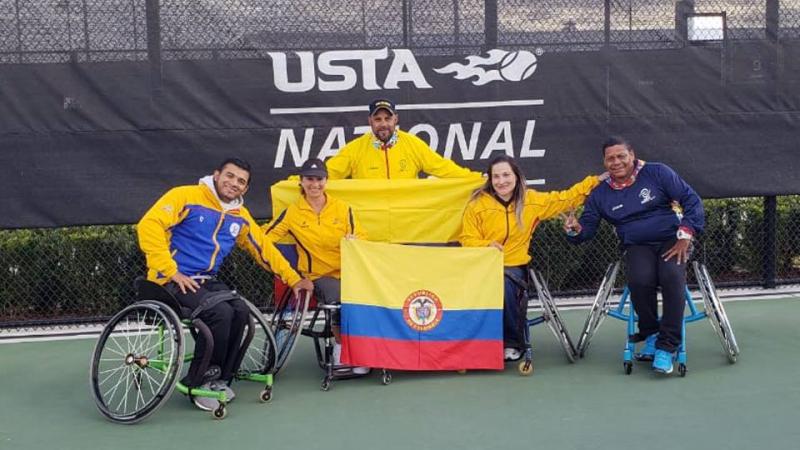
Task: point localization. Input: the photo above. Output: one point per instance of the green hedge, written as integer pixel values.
(88, 271)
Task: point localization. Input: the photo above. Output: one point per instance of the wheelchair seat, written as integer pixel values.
(148, 290)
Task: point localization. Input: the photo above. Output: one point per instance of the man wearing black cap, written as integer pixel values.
(388, 153)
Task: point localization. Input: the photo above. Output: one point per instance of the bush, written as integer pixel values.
(88, 272)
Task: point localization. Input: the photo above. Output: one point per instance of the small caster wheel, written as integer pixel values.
(265, 396)
(220, 412)
(462, 371)
(525, 368)
(628, 366)
(386, 379)
(682, 369)
(326, 385)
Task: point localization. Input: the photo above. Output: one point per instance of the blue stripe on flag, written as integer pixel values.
(377, 321)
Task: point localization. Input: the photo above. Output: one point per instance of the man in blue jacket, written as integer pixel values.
(638, 199)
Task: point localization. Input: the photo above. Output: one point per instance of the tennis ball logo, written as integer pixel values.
(517, 66)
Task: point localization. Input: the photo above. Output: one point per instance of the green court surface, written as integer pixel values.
(752, 404)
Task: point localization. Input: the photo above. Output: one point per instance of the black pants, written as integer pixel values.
(646, 271)
(226, 321)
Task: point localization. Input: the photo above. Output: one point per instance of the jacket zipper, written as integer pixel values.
(216, 243)
(507, 226)
(386, 158)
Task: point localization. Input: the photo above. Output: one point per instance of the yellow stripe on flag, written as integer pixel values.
(380, 274)
(399, 211)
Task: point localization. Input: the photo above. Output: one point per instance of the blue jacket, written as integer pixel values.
(642, 213)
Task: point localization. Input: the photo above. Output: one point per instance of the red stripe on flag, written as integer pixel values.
(422, 355)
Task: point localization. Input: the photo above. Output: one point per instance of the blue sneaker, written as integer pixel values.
(662, 362)
(648, 350)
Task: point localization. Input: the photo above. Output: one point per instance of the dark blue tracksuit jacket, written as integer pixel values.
(642, 213)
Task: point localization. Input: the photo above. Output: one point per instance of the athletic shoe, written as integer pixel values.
(648, 350)
(662, 361)
(220, 386)
(205, 403)
(512, 354)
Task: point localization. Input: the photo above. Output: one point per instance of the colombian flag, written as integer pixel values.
(421, 308)
(394, 210)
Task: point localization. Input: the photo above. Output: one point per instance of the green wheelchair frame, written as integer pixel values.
(140, 355)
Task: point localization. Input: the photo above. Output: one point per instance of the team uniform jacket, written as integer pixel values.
(487, 220)
(317, 235)
(364, 157)
(642, 212)
(188, 231)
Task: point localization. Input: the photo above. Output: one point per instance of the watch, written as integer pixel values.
(683, 234)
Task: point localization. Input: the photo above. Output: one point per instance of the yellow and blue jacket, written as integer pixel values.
(189, 231)
(487, 220)
(405, 157)
(318, 236)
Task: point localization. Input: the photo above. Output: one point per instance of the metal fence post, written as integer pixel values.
(682, 9)
(773, 20)
(490, 24)
(770, 229)
(153, 18)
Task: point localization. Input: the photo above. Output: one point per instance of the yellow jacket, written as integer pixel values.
(487, 220)
(363, 157)
(318, 236)
(188, 230)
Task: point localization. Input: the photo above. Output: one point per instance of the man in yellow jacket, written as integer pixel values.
(388, 153)
(185, 237)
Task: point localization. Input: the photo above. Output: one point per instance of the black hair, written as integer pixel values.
(616, 140)
(240, 163)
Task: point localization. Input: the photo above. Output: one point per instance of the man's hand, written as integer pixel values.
(304, 284)
(496, 245)
(680, 250)
(185, 283)
(571, 225)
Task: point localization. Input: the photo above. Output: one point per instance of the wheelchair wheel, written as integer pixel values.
(287, 323)
(599, 309)
(716, 313)
(136, 362)
(260, 355)
(552, 317)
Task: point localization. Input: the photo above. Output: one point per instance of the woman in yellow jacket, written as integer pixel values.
(503, 214)
(318, 222)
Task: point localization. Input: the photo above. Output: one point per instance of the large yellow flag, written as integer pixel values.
(421, 308)
(399, 211)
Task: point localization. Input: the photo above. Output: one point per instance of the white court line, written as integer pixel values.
(409, 107)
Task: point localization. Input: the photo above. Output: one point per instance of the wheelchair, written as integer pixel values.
(292, 317)
(713, 311)
(141, 352)
(549, 316)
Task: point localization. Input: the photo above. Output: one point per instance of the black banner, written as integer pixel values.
(98, 143)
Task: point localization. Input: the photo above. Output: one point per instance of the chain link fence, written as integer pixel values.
(58, 31)
(84, 274)
(74, 275)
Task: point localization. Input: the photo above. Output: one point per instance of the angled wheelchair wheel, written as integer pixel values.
(136, 362)
(287, 321)
(552, 317)
(716, 313)
(599, 309)
(260, 355)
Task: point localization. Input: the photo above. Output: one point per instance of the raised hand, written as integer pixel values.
(571, 225)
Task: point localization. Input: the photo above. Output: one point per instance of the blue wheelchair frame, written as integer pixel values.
(713, 311)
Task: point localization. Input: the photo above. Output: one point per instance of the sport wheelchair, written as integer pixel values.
(549, 316)
(141, 352)
(713, 310)
(292, 317)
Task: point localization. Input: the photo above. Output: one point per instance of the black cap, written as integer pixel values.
(381, 103)
(314, 168)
